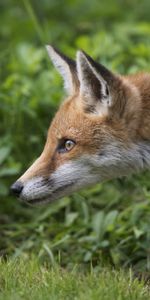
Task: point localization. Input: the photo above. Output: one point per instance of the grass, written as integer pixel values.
(28, 279)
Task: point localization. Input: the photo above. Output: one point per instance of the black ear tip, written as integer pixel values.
(81, 53)
(54, 54)
(51, 47)
(81, 57)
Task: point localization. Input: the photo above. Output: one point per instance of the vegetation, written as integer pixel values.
(106, 225)
(23, 279)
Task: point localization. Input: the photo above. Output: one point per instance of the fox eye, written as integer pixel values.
(66, 146)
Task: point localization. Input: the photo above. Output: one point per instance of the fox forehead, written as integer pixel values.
(66, 121)
(70, 122)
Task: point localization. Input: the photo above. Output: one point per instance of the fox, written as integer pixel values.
(100, 132)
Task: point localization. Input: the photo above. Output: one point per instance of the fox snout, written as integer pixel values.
(65, 179)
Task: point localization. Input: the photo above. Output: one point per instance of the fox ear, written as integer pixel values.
(95, 84)
(66, 67)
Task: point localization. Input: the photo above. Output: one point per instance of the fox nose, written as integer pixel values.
(16, 188)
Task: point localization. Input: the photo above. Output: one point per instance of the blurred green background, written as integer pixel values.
(109, 224)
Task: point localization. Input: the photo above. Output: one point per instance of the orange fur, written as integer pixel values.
(120, 118)
(92, 131)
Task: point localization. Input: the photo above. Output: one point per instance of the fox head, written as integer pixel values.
(93, 136)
